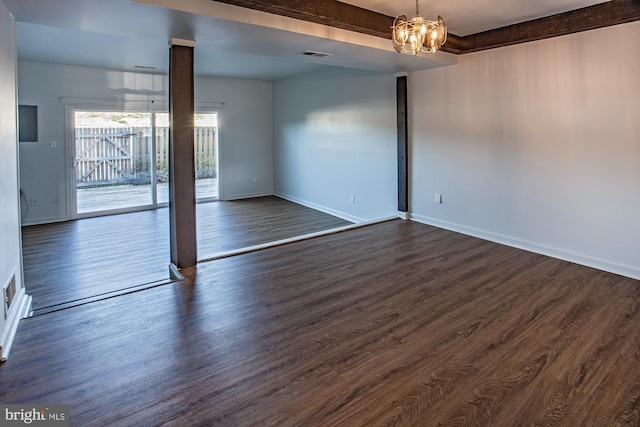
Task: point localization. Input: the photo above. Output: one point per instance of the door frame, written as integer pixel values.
(149, 105)
(74, 105)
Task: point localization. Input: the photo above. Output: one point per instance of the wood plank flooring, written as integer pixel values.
(228, 225)
(394, 324)
(80, 259)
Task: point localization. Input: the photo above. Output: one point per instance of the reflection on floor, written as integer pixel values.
(81, 259)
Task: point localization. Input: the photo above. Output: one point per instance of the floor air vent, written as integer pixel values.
(8, 293)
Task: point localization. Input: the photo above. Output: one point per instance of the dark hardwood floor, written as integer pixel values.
(397, 323)
(80, 259)
(224, 226)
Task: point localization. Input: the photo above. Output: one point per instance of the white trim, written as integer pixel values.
(320, 208)
(70, 176)
(25, 307)
(403, 215)
(157, 104)
(13, 321)
(282, 242)
(44, 220)
(174, 273)
(243, 195)
(132, 103)
(598, 263)
(402, 74)
(174, 41)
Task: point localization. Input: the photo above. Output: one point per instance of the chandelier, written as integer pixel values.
(418, 34)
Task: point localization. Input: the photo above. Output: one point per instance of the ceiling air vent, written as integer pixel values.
(316, 54)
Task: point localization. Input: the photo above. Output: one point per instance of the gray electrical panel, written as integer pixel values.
(28, 123)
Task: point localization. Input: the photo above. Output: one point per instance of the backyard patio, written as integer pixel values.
(116, 197)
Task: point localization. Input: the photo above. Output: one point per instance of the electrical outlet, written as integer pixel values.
(55, 200)
(352, 198)
(34, 202)
(54, 144)
(255, 179)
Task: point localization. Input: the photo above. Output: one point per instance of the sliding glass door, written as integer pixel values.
(121, 161)
(113, 161)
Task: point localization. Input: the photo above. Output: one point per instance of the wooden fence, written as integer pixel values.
(112, 155)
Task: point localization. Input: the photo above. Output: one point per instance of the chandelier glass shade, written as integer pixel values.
(418, 34)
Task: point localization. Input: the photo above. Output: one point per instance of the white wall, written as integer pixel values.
(246, 134)
(245, 141)
(44, 169)
(335, 136)
(10, 247)
(535, 145)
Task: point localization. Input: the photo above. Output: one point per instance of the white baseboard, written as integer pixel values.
(43, 220)
(245, 196)
(286, 241)
(22, 310)
(600, 264)
(320, 208)
(403, 215)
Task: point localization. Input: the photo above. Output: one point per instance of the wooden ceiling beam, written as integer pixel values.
(336, 14)
(589, 18)
(327, 12)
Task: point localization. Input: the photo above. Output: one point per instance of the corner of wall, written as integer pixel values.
(10, 240)
(554, 252)
(320, 208)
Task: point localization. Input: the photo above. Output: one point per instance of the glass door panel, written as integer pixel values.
(112, 161)
(205, 146)
(162, 157)
(122, 160)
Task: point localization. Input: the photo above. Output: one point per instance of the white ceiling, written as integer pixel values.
(236, 42)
